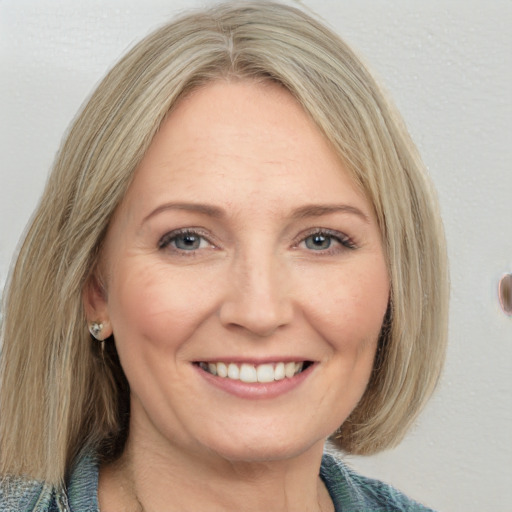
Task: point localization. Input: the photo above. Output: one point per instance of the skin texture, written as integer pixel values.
(254, 288)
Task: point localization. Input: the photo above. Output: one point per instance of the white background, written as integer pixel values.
(448, 66)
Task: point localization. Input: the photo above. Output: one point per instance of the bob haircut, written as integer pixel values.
(60, 393)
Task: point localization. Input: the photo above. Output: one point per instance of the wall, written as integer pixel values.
(448, 66)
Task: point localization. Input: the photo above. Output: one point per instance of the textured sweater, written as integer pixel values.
(350, 492)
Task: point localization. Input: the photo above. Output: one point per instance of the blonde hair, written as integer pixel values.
(59, 394)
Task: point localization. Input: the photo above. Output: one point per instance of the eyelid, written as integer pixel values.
(166, 239)
(344, 240)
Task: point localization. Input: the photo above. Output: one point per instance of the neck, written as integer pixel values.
(146, 479)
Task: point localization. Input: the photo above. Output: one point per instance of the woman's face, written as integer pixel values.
(242, 246)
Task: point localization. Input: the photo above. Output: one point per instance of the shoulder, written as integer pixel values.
(352, 491)
(18, 494)
(24, 495)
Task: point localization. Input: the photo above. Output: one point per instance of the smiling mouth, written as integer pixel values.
(250, 373)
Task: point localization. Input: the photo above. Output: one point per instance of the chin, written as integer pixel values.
(260, 449)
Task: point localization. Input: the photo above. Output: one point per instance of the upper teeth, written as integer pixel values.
(268, 372)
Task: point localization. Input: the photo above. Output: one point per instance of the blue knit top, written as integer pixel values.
(350, 492)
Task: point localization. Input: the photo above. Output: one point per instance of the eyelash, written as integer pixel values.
(166, 241)
(345, 241)
(330, 235)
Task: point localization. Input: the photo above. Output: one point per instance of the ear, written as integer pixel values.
(94, 298)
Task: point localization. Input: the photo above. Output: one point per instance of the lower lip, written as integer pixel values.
(256, 390)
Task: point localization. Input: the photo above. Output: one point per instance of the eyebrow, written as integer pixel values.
(300, 213)
(319, 210)
(205, 209)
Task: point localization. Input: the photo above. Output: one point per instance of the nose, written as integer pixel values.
(257, 297)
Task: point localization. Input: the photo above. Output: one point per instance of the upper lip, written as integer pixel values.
(255, 361)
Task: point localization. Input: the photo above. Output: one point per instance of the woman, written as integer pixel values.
(237, 256)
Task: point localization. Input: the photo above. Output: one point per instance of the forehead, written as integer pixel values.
(228, 140)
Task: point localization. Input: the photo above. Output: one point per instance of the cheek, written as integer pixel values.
(151, 306)
(349, 308)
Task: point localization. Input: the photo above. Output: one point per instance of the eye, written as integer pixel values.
(327, 240)
(183, 240)
(318, 242)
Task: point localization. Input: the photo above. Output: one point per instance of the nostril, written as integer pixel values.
(260, 318)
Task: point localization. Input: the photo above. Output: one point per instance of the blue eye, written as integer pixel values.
(326, 241)
(187, 241)
(183, 241)
(318, 242)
